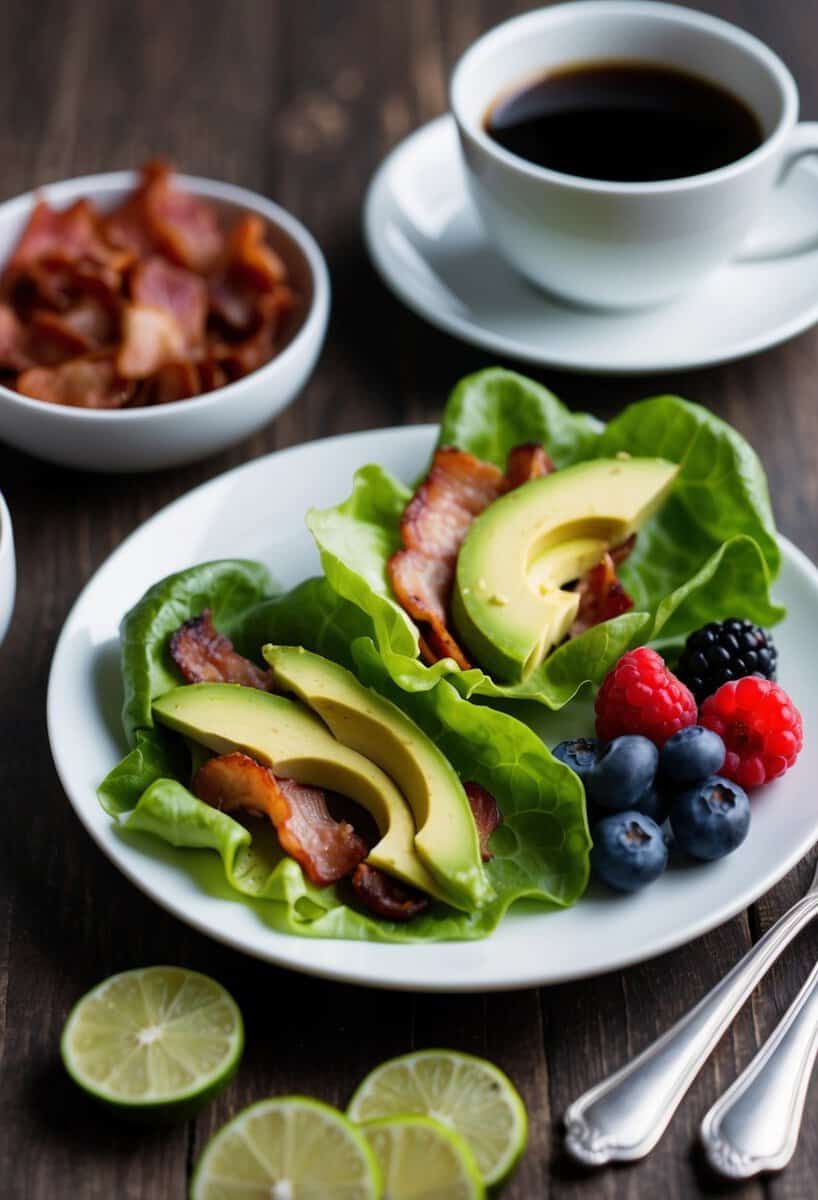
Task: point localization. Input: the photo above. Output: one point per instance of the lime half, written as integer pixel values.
(423, 1160)
(290, 1148)
(465, 1094)
(158, 1041)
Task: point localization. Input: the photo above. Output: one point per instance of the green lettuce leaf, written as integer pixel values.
(684, 565)
(227, 587)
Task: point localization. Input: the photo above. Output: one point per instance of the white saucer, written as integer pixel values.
(430, 248)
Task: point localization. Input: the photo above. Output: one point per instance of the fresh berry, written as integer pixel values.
(690, 755)
(623, 774)
(628, 852)
(721, 652)
(656, 804)
(579, 754)
(759, 725)
(710, 819)
(640, 695)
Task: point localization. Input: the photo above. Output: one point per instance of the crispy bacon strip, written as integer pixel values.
(327, 849)
(151, 338)
(73, 234)
(13, 341)
(457, 488)
(487, 815)
(90, 381)
(173, 381)
(203, 655)
(528, 461)
(435, 522)
(159, 217)
(385, 896)
(251, 258)
(239, 358)
(156, 283)
(602, 596)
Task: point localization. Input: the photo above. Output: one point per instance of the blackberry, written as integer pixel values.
(721, 652)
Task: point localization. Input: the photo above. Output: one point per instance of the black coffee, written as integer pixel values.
(624, 121)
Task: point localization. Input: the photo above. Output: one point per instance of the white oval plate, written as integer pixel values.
(430, 248)
(257, 511)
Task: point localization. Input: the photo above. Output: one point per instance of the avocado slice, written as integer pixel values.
(508, 603)
(286, 736)
(446, 837)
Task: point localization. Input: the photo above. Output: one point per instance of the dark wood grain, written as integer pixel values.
(301, 100)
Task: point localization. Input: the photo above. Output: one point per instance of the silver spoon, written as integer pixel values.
(754, 1126)
(623, 1117)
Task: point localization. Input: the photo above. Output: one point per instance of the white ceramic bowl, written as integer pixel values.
(144, 439)
(7, 568)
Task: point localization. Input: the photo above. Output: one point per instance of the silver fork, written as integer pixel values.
(623, 1117)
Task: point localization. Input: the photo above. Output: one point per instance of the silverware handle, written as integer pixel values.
(623, 1117)
(754, 1126)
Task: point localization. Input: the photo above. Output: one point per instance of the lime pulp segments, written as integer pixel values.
(462, 1092)
(423, 1160)
(289, 1148)
(153, 1040)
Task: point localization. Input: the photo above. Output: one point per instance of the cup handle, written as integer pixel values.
(803, 144)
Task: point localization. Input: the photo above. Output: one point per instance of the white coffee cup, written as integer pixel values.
(624, 245)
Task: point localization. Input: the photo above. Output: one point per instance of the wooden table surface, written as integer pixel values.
(301, 101)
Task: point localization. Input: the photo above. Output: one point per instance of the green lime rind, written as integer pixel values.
(333, 1156)
(421, 1158)
(154, 1043)
(461, 1091)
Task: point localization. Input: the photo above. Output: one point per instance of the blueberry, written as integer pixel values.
(579, 754)
(655, 804)
(691, 755)
(623, 774)
(628, 852)
(710, 819)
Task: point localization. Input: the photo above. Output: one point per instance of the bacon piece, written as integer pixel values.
(602, 596)
(385, 896)
(528, 461)
(174, 381)
(13, 341)
(158, 216)
(423, 586)
(457, 488)
(251, 258)
(487, 815)
(203, 655)
(150, 338)
(90, 381)
(73, 234)
(435, 522)
(240, 358)
(156, 283)
(326, 849)
(212, 375)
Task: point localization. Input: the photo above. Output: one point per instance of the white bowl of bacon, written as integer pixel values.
(149, 319)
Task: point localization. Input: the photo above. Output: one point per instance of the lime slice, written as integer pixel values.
(423, 1160)
(466, 1094)
(290, 1148)
(158, 1041)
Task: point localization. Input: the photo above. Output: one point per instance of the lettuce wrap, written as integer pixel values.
(540, 850)
(709, 553)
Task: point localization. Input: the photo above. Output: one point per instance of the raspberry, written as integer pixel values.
(640, 695)
(721, 652)
(759, 725)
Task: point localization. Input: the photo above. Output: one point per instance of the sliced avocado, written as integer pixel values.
(446, 837)
(286, 736)
(508, 604)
